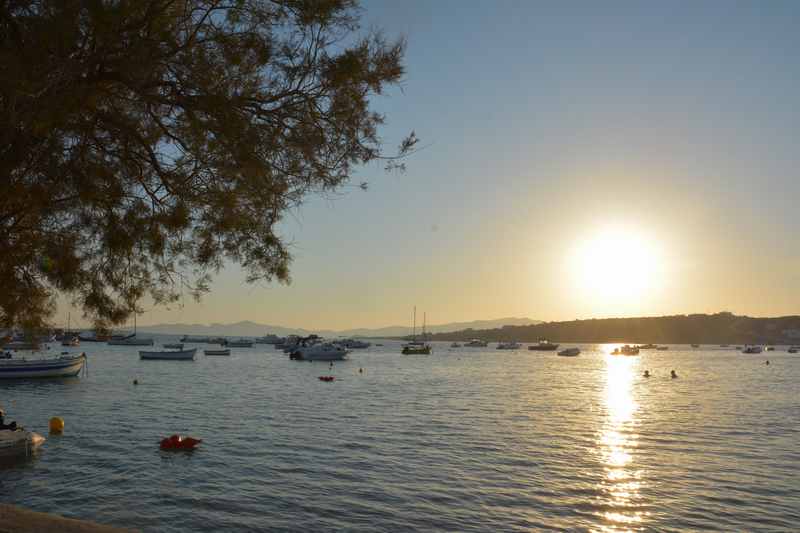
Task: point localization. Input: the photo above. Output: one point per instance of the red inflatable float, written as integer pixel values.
(179, 442)
(326, 378)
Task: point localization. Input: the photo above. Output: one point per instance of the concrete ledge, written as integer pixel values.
(20, 520)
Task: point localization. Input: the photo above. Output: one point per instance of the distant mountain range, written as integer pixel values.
(679, 329)
(253, 329)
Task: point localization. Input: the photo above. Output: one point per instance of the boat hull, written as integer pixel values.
(132, 342)
(417, 351)
(217, 352)
(181, 355)
(64, 367)
(18, 442)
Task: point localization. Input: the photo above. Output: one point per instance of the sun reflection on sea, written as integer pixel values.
(617, 442)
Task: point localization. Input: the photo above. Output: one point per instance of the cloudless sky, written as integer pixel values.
(545, 125)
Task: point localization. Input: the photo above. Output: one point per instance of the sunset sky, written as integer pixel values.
(581, 159)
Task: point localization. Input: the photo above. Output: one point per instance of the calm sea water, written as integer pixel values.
(461, 440)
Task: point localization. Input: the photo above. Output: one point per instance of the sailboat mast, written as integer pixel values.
(414, 327)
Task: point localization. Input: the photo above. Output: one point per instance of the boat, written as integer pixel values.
(268, 339)
(239, 343)
(94, 337)
(21, 345)
(354, 344)
(59, 367)
(662, 348)
(626, 350)
(513, 345)
(476, 343)
(323, 351)
(696, 345)
(724, 345)
(455, 345)
(570, 352)
(174, 346)
(793, 349)
(770, 348)
(217, 352)
(543, 345)
(415, 347)
(170, 355)
(130, 340)
(648, 347)
(18, 442)
(69, 338)
(752, 349)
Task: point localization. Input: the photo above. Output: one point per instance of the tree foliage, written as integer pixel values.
(145, 142)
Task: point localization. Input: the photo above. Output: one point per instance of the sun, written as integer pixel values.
(615, 265)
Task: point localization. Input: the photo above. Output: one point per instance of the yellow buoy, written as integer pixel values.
(56, 424)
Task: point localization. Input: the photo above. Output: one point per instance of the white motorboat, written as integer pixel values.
(354, 344)
(570, 352)
(543, 345)
(170, 355)
(325, 351)
(19, 442)
(217, 352)
(60, 367)
(476, 343)
(513, 345)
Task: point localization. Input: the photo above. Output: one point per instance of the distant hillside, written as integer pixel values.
(253, 329)
(720, 328)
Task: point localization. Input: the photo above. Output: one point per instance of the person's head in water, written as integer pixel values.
(647, 373)
(673, 374)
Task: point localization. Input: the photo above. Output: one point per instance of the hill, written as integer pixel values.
(719, 328)
(254, 329)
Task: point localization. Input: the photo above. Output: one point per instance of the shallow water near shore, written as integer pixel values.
(462, 440)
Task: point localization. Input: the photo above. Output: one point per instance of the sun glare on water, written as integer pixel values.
(616, 265)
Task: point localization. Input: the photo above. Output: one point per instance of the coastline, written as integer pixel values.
(22, 520)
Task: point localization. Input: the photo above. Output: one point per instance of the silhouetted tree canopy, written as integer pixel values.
(144, 142)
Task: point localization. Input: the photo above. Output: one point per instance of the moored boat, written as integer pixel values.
(513, 345)
(476, 343)
(543, 345)
(174, 346)
(173, 355)
(217, 352)
(131, 341)
(19, 442)
(570, 352)
(648, 346)
(626, 350)
(239, 343)
(662, 348)
(324, 351)
(416, 348)
(752, 349)
(455, 345)
(60, 367)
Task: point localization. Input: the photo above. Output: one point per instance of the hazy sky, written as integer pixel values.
(552, 130)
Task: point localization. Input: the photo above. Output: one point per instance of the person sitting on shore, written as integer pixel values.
(12, 426)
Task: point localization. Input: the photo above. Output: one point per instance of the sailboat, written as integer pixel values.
(69, 338)
(131, 340)
(416, 347)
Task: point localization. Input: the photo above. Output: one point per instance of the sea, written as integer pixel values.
(463, 439)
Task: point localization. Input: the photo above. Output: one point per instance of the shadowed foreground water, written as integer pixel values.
(461, 440)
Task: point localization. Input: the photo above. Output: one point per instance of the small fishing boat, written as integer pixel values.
(173, 355)
(174, 346)
(513, 345)
(662, 348)
(476, 343)
(19, 442)
(626, 350)
(60, 367)
(570, 352)
(130, 340)
(752, 349)
(695, 345)
(647, 347)
(793, 349)
(179, 442)
(217, 352)
(455, 345)
(543, 345)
